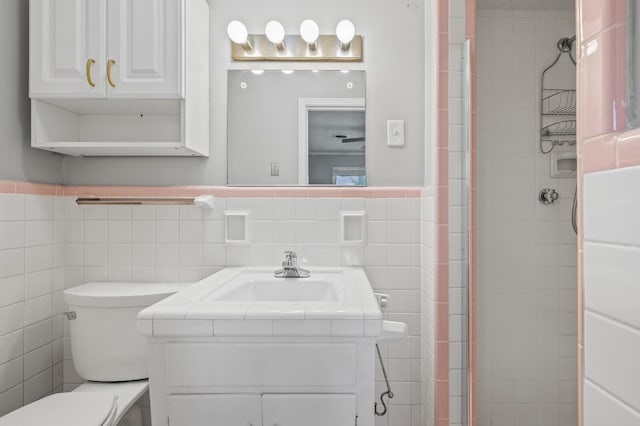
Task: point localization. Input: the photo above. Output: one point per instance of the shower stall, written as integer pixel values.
(523, 362)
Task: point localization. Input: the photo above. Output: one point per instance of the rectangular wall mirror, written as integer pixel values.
(297, 127)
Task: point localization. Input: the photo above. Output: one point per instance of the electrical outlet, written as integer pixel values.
(275, 169)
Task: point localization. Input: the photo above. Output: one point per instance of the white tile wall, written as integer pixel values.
(168, 243)
(31, 280)
(457, 219)
(611, 298)
(427, 307)
(526, 251)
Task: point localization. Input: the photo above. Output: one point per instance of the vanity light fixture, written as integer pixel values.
(345, 31)
(310, 45)
(309, 31)
(238, 34)
(275, 33)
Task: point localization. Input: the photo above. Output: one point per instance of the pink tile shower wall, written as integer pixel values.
(526, 251)
(31, 284)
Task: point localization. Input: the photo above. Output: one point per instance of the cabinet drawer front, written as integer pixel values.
(256, 364)
(215, 410)
(308, 410)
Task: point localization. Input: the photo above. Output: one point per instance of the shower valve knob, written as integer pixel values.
(548, 196)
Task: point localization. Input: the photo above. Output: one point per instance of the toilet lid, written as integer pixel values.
(65, 409)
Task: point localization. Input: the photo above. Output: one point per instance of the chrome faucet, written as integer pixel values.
(290, 268)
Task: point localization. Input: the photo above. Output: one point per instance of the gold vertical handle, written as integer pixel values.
(90, 62)
(109, 63)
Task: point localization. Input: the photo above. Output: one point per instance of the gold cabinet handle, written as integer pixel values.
(109, 63)
(90, 62)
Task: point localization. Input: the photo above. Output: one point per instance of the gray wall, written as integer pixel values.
(18, 161)
(394, 47)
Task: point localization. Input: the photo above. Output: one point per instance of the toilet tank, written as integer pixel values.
(105, 343)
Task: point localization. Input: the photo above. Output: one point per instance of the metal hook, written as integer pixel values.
(387, 393)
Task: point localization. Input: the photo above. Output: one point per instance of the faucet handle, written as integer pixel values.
(290, 260)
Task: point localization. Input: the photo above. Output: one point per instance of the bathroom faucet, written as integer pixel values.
(290, 268)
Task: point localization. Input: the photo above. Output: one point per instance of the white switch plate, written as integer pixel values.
(395, 132)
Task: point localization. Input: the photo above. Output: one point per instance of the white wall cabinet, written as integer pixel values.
(265, 410)
(120, 77)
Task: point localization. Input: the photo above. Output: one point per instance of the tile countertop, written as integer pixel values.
(192, 312)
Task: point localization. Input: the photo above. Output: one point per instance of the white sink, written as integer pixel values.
(253, 293)
(264, 287)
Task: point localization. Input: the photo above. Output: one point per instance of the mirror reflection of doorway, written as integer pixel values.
(336, 147)
(332, 141)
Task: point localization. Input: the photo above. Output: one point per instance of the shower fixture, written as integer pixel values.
(557, 106)
(548, 196)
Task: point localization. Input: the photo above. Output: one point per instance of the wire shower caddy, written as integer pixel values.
(558, 106)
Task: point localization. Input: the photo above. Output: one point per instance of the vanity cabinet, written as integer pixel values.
(262, 410)
(120, 77)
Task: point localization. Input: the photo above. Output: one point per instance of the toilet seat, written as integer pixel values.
(66, 409)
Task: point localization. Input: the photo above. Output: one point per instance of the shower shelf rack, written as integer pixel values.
(559, 102)
(560, 128)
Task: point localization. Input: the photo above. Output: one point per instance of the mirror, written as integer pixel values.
(297, 127)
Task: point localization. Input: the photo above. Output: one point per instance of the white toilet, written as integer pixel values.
(108, 352)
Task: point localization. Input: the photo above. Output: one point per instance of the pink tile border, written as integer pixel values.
(599, 154)
(17, 187)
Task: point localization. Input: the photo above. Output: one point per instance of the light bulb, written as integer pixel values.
(238, 33)
(287, 72)
(309, 32)
(274, 32)
(345, 31)
(258, 72)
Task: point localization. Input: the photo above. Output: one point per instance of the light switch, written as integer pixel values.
(395, 132)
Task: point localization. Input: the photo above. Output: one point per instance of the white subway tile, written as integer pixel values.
(191, 213)
(143, 213)
(611, 355)
(38, 309)
(12, 235)
(602, 408)
(38, 283)
(191, 231)
(12, 207)
(328, 209)
(262, 208)
(38, 360)
(167, 232)
(611, 281)
(119, 231)
(119, 254)
(11, 346)
(11, 290)
(95, 255)
(38, 386)
(284, 232)
(306, 209)
(38, 334)
(143, 255)
(167, 254)
(95, 231)
(11, 374)
(611, 203)
(12, 262)
(11, 318)
(38, 207)
(11, 399)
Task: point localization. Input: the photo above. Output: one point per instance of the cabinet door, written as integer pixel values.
(215, 410)
(308, 410)
(64, 36)
(145, 48)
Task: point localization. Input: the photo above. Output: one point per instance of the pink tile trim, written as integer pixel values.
(599, 154)
(9, 186)
(17, 187)
(629, 149)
